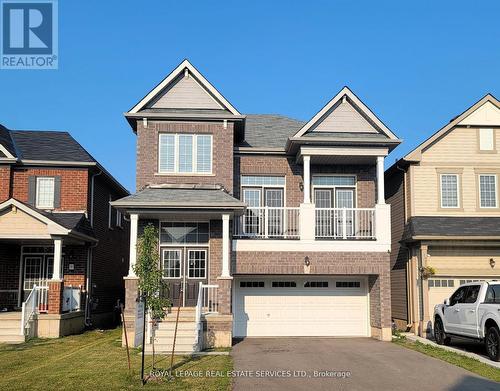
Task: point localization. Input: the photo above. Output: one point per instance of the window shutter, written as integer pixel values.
(32, 190)
(57, 192)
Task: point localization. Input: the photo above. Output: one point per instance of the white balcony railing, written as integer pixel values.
(345, 223)
(268, 222)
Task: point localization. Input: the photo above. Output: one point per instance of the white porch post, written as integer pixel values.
(225, 246)
(56, 275)
(380, 180)
(134, 218)
(307, 179)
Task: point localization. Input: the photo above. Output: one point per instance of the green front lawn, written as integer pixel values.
(96, 361)
(459, 360)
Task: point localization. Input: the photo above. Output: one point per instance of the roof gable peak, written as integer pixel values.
(184, 80)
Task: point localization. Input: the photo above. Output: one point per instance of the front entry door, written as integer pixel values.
(37, 271)
(184, 268)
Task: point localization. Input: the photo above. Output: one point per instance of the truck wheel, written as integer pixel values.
(439, 334)
(492, 342)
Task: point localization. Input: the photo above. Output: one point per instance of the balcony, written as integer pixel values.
(268, 223)
(345, 223)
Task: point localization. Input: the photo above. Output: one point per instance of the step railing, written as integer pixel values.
(268, 222)
(345, 223)
(29, 309)
(207, 303)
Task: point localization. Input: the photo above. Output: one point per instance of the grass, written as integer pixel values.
(459, 360)
(95, 360)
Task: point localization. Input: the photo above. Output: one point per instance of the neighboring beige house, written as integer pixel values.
(445, 213)
(269, 226)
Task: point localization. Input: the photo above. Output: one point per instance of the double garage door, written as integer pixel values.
(292, 306)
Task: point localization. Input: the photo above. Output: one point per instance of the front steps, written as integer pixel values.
(10, 324)
(186, 333)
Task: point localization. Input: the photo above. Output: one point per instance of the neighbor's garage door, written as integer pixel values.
(281, 307)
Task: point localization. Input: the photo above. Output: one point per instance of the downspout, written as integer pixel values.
(89, 255)
(409, 274)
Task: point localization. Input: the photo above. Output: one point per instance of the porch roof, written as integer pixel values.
(445, 227)
(180, 197)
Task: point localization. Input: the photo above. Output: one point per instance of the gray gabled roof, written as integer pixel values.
(177, 197)
(49, 146)
(6, 141)
(428, 226)
(269, 130)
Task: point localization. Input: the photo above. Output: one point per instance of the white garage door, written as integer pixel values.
(280, 307)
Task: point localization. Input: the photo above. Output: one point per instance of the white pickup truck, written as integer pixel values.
(473, 311)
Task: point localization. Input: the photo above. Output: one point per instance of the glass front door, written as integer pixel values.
(184, 268)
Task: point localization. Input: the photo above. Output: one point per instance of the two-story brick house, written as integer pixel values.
(283, 220)
(63, 249)
(445, 214)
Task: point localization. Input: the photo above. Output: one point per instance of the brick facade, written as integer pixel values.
(286, 166)
(74, 185)
(4, 183)
(147, 153)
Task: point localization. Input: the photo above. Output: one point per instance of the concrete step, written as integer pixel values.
(10, 315)
(170, 333)
(9, 323)
(180, 326)
(182, 318)
(10, 331)
(11, 339)
(167, 348)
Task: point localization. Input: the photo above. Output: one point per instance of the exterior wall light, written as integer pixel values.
(307, 262)
(492, 263)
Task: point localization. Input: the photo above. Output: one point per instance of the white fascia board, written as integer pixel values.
(342, 151)
(309, 245)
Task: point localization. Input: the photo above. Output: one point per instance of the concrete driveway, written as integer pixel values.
(323, 363)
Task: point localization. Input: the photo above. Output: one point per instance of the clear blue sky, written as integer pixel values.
(416, 66)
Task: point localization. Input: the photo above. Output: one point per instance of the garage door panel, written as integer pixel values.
(301, 311)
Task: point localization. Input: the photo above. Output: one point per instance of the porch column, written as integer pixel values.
(380, 180)
(134, 219)
(56, 275)
(307, 179)
(225, 246)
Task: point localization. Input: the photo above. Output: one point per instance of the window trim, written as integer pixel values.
(180, 252)
(335, 187)
(459, 193)
(110, 214)
(119, 219)
(189, 250)
(37, 187)
(479, 190)
(262, 188)
(194, 151)
(494, 143)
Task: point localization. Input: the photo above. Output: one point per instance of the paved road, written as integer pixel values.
(373, 365)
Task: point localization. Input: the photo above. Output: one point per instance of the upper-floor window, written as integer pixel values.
(45, 192)
(487, 191)
(258, 191)
(334, 191)
(486, 139)
(185, 153)
(449, 191)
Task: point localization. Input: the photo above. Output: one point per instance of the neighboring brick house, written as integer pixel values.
(63, 249)
(445, 210)
(283, 222)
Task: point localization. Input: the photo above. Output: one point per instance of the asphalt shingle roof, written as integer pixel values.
(269, 130)
(180, 197)
(452, 226)
(49, 146)
(6, 141)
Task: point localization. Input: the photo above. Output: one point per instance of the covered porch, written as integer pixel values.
(43, 271)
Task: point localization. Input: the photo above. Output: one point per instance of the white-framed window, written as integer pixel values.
(110, 214)
(488, 191)
(118, 218)
(171, 262)
(197, 263)
(449, 191)
(348, 284)
(184, 153)
(251, 284)
(486, 139)
(45, 191)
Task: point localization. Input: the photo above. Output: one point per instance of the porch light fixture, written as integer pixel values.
(301, 186)
(307, 262)
(492, 263)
